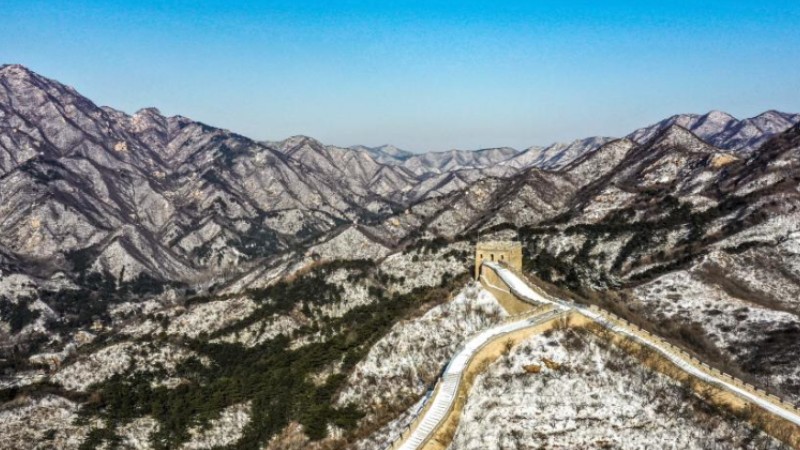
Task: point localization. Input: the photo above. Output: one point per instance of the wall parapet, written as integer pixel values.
(507, 252)
(673, 360)
(502, 292)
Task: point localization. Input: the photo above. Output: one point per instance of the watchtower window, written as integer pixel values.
(492, 256)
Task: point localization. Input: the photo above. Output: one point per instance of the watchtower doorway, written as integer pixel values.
(506, 252)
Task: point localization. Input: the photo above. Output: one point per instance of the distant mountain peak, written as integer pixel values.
(15, 69)
(498, 149)
(300, 140)
(718, 115)
(677, 138)
(774, 113)
(675, 134)
(557, 155)
(723, 130)
(384, 154)
(18, 75)
(149, 111)
(389, 148)
(712, 122)
(294, 144)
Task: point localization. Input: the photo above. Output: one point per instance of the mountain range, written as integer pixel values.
(168, 284)
(84, 185)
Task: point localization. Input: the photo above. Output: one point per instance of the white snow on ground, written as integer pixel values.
(20, 379)
(48, 422)
(261, 331)
(403, 363)
(190, 322)
(53, 359)
(445, 396)
(136, 433)
(211, 316)
(260, 277)
(128, 316)
(350, 244)
(610, 199)
(224, 430)
(595, 396)
(15, 285)
(427, 270)
(775, 229)
(771, 272)
(37, 326)
(169, 382)
(141, 328)
(771, 267)
(121, 310)
(727, 320)
(117, 358)
(731, 323)
(306, 339)
(761, 182)
(354, 295)
(392, 430)
(518, 286)
(676, 358)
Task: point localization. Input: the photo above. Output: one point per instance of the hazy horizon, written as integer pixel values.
(422, 76)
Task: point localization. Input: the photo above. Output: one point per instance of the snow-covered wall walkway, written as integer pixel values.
(453, 375)
(672, 353)
(445, 396)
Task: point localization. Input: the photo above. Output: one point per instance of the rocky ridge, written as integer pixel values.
(146, 260)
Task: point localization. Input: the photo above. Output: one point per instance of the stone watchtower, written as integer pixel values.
(507, 252)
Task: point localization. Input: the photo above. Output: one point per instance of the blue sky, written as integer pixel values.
(429, 75)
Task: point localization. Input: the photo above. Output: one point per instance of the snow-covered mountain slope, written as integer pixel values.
(439, 162)
(725, 131)
(385, 154)
(161, 195)
(401, 367)
(593, 165)
(177, 199)
(170, 348)
(557, 155)
(356, 169)
(214, 286)
(570, 389)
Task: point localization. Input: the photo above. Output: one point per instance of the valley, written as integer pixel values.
(168, 284)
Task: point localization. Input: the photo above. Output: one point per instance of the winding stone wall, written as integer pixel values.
(494, 284)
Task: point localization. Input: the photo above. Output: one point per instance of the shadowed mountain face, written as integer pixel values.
(557, 155)
(91, 188)
(308, 258)
(725, 131)
(163, 194)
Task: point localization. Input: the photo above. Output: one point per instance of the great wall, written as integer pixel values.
(531, 311)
